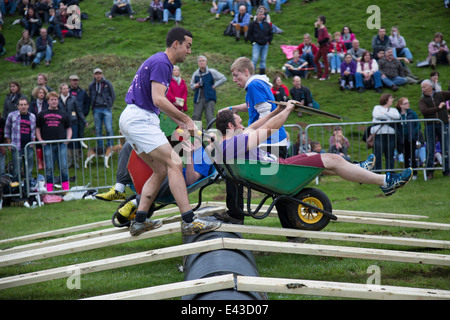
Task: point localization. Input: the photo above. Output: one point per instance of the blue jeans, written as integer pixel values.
(389, 82)
(309, 57)
(335, 60)
(41, 54)
(11, 7)
(277, 5)
(17, 161)
(259, 51)
(52, 153)
(433, 132)
(103, 115)
(404, 52)
(225, 5)
(168, 15)
(376, 76)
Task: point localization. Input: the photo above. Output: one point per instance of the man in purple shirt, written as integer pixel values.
(139, 123)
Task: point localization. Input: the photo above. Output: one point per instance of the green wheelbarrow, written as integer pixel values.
(306, 208)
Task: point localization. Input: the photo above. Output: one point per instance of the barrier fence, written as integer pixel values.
(92, 167)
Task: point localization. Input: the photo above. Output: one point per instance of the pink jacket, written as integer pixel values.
(433, 49)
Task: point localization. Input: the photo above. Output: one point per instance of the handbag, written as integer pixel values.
(371, 139)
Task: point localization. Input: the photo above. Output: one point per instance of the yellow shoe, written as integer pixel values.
(127, 211)
(111, 195)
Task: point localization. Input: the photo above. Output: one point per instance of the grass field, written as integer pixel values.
(120, 45)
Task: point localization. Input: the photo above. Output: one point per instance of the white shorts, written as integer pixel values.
(141, 129)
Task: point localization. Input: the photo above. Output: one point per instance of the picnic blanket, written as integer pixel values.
(288, 50)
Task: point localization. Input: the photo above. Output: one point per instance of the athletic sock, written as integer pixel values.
(188, 216)
(141, 216)
(385, 184)
(119, 187)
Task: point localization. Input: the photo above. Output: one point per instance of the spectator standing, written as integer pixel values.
(438, 51)
(44, 49)
(38, 100)
(20, 129)
(54, 124)
(260, 35)
(322, 36)
(391, 69)
(433, 106)
(172, 10)
(102, 95)
(25, 48)
(12, 99)
(204, 82)
(69, 104)
(178, 92)
(385, 134)
(82, 98)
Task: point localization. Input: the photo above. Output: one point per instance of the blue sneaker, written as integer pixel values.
(369, 163)
(396, 181)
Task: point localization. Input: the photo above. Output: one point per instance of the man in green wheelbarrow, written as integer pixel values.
(242, 143)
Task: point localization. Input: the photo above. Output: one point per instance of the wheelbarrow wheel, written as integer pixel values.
(306, 218)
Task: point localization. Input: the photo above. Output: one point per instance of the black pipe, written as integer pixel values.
(220, 262)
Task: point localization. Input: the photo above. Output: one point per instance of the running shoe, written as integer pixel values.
(369, 163)
(199, 225)
(111, 195)
(127, 211)
(396, 181)
(138, 228)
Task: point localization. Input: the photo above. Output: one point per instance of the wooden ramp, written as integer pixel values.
(109, 236)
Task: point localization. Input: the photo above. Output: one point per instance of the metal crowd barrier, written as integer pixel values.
(358, 150)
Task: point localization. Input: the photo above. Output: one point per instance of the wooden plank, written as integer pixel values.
(352, 237)
(338, 251)
(338, 289)
(173, 290)
(111, 263)
(394, 223)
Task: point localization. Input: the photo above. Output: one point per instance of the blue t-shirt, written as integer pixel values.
(258, 91)
(156, 68)
(202, 163)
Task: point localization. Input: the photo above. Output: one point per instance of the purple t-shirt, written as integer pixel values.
(156, 68)
(236, 148)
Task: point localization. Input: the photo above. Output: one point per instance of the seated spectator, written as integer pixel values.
(1, 22)
(279, 90)
(337, 53)
(356, 51)
(347, 37)
(178, 92)
(155, 11)
(70, 30)
(240, 22)
(392, 74)
(8, 7)
(296, 66)
(25, 49)
(339, 143)
(54, 124)
(367, 75)
(44, 49)
(222, 5)
(20, 128)
(438, 51)
(246, 3)
(55, 27)
(316, 147)
(308, 50)
(2, 44)
(302, 94)
(121, 7)
(2, 149)
(277, 3)
(32, 22)
(172, 10)
(22, 8)
(348, 70)
(12, 98)
(398, 43)
(38, 100)
(380, 41)
(42, 9)
(434, 77)
(410, 78)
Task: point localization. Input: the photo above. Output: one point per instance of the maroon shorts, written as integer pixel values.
(304, 160)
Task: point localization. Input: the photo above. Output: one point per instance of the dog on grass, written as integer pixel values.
(103, 152)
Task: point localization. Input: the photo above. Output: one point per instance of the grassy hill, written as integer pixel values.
(120, 45)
